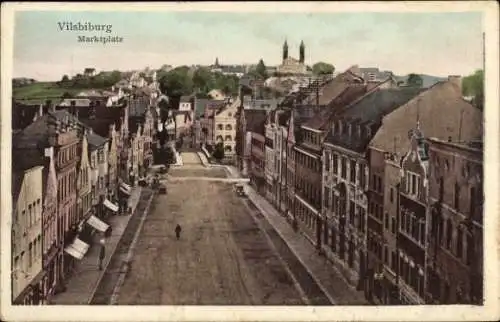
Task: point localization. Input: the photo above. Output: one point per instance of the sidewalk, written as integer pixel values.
(320, 269)
(86, 277)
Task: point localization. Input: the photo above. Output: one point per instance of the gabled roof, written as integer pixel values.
(440, 110)
(36, 134)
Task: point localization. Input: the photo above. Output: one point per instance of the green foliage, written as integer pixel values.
(218, 153)
(473, 85)
(42, 90)
(321, 68)
(261, 69)
(181, 81)
(65, 78)
(415, 80)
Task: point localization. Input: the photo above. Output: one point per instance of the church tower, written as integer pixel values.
(302, 52)
(285, 50)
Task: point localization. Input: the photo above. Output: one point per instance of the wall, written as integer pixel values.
(27, 231)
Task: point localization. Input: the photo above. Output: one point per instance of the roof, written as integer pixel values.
(269, 104)
(440, 110)
(186, 99)
(201, 103)
(138, 106)
(36, 134)
(350, 93)
(80, 102)
(329, 89)
(255, 120)
(17, 182)
(95, 140)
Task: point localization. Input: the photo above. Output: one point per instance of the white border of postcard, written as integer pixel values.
(490, 311)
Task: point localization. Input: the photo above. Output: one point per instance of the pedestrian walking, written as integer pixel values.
(102, 254)
(178, 230)
(108, 232)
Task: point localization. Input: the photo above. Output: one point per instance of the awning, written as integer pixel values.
(126, 188)
(111, 206)
(125, 191)
(97, 223)
(77, 249)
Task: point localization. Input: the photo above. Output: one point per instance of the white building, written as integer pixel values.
(27, 227)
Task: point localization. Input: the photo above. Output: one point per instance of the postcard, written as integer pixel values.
(277, 161)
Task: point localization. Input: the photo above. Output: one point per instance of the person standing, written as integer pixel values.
(178, 230)
(102, 254)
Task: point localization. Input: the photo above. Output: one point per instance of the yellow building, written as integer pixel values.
(225, 127)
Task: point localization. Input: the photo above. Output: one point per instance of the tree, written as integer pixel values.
(219, 152)
(261, 69)
(65, 79)
(321, 68)
(473, 85)
(414, 80)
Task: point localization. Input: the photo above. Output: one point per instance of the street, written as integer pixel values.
(222, 257)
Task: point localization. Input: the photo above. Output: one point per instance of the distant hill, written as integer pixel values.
(428, 80)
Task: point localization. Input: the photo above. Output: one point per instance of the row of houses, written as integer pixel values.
(385, 181)
(74, 165)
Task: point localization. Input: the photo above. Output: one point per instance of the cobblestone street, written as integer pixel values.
(222, 257)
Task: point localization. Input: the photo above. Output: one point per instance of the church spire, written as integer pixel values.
(302, 52)
(285, 50)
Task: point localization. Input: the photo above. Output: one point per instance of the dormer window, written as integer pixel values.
(368, 132)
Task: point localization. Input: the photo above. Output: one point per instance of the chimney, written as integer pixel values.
(456, 80)
(49, 152)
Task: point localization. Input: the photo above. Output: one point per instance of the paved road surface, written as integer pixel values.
(222, 257)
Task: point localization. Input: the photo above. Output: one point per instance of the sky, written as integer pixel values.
(438, 44)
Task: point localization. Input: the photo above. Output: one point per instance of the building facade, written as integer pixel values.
(458, 120)
(455, 255)
(225, 128)
(27, 229)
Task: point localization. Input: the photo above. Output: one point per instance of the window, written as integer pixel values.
(343, 172)
(228, 138)
(393, 226)
(229, 127)
(472, 208)
(457, 196)
(335, 163)
(219, 126)
(30, 255)
(353, 171)
(386, 221)
(227, 148)
(30, 214)
(449, 232)
(460, 245)
(362, 176)
(327, 161)
(392, 195)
